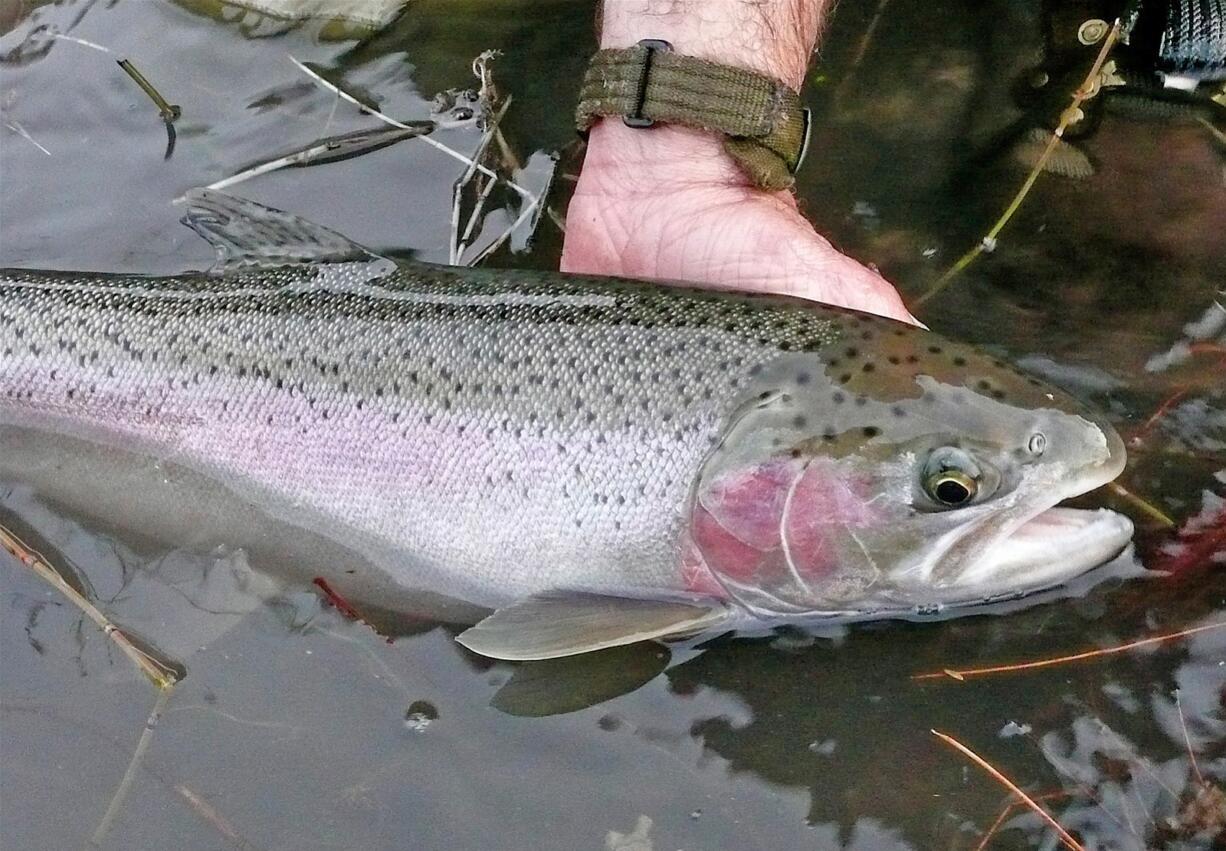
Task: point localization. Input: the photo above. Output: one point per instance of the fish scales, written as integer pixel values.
(426, 417)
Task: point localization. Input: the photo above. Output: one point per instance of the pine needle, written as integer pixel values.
(1064, 835)
(964, 673)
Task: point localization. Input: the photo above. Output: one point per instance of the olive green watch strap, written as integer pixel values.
(764, 125)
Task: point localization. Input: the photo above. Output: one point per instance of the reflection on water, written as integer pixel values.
(298, 728)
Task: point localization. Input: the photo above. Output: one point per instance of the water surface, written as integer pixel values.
(296, 728)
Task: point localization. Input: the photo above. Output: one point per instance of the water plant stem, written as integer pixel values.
(1086, 90)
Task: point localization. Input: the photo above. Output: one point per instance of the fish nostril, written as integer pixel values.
(1037, 444)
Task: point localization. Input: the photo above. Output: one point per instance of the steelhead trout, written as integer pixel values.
(600, 461)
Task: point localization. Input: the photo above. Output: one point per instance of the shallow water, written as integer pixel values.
(296, 728)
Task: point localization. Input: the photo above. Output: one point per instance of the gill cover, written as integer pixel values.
(827, 497)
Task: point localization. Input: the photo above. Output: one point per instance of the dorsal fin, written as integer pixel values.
(247, 234)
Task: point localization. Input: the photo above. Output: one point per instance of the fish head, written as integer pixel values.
(895, 470)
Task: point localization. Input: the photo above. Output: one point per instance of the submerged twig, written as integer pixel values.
(1071, 115)
(142, 745)
(328, 150)
(528, 210)
(162, 672)
(460, 243)
(1064, 835)
(964, 673)
(332, 87)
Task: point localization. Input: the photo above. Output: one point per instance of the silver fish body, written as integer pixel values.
(493, 435)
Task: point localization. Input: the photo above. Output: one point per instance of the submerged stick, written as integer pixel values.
(459, 244)
(1071, 115)
(336, 90)
(142, 745)
(1064, 835)
(964, 673)
(328, 150)
(162, 672)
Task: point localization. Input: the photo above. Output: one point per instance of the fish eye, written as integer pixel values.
(951, 477)
(951, 488)
(1038, 443)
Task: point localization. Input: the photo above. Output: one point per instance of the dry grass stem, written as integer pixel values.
(162, 673)
(964, 673)
(125, 784)
(1064, 835)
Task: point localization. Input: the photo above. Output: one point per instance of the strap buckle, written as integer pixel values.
(636, 118)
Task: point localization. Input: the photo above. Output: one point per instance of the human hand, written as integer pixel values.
(668, 203)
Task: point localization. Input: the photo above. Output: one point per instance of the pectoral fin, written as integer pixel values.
(555, 624)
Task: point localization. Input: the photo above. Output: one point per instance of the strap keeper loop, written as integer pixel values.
(636, 118)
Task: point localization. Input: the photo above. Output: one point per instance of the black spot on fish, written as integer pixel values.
(844, 378)
(869, 367)
(936, 350)
(871, 431)
(803, 378)
(851, 352)
(959, 361)
(799, 421)
(894, 359)
(898, 411)
(838, 398)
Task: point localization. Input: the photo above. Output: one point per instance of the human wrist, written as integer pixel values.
(774, 38)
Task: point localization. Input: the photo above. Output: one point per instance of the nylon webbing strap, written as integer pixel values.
(765, 128)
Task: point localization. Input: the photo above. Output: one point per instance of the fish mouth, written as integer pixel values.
(1049, 548)
(1053, 544)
